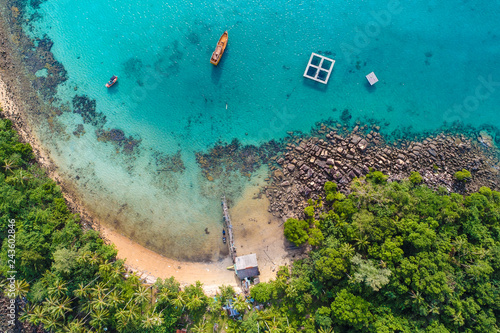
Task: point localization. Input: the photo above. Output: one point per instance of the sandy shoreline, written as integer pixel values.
(256, 230)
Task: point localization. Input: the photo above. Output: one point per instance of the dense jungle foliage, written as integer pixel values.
(393, 257)
(390, 257)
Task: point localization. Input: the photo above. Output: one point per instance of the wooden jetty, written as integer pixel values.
(229, 227)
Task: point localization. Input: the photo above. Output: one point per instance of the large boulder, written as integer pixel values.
(362, 145)
(355, 139)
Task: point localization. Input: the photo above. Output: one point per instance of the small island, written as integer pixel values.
(246, 197)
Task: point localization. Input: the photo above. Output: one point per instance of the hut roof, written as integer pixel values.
(244, 262)
(248, 272)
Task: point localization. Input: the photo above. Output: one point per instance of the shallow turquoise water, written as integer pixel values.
(432, 60)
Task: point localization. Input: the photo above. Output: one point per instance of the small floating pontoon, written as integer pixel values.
(372, 78)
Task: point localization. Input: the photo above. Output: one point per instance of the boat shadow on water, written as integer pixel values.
(114, 89)
(217, 71)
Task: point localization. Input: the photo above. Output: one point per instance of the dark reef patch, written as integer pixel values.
(86, 108)
(35, 4)
(36, 55)
(79, 131)
(174, 56)
(346, 116)
(235, 157)
(327, 53)
(132, 67)
(169, 163)
(193, 38)
(119, 139)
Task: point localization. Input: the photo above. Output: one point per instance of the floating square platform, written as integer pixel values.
(372, 78)
(319, 68)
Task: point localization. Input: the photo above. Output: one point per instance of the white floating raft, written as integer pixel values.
(319, 68)
(372, 78)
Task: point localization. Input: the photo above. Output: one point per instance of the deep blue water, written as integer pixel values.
(436, 61)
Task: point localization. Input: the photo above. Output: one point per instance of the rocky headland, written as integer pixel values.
(309, 162)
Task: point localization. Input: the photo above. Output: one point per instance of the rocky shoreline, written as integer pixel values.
(310, 162)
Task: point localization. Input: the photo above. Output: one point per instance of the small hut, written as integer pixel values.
(246, 266)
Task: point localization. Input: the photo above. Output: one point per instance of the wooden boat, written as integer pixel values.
(112, 81)
(219, 49)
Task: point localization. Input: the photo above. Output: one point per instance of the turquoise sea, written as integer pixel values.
(437, 62)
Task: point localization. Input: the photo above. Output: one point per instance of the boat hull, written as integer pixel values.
(219, 49)
(111, 82)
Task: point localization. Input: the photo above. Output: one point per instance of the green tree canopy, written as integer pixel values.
(296, 231)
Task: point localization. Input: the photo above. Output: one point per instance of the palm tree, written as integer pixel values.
(114, 299)
(133, 311)
(9, 165)
(325, 330)
(200, 328)
(152, 320)
(134, 279)
(95, 259)
(458, 319)
(21, 176)
(291, 291)
(117, 271)
(99, 289)
(86, 305)
(239, 304)
(163, 295)
(21, 288)
(59, 308)
(99, 318)
(194, 303)
(85, 257)
(347, 250)
(51, 323)
(419, 302)
(141, 296)
(99, 303)
(433, 309)
(75, 326)
(179, 301)
(274, 326)
(362, 242)
(58, 289)
(34, 314)
(105, 268)
(50, 301)
(81, 291)
(125, 318)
